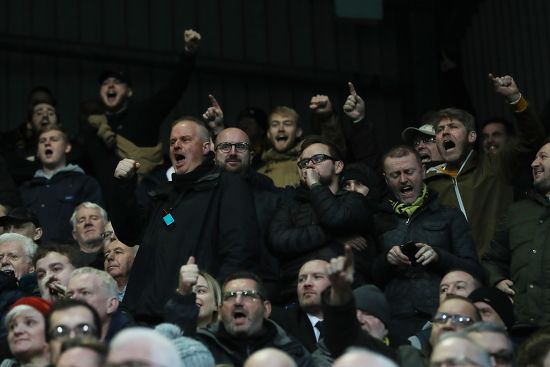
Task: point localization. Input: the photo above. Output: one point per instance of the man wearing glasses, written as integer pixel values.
(423, 141)
(233, 154)
(70, 318)
(321, 216)
(244, 326)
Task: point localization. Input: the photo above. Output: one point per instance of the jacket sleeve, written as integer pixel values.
(330, 127)
(361, 142)
(340, 214)
(156, 108)
(238, 233)
(342, 330)
(182, 311)
(287, 240)
(496, 260)
(461, 253)
(129, 220)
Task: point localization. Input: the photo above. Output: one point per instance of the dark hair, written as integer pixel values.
(478, 276)
(247, 275)
(67, 250)
(465, 299)
(401, 151)
(317, 139)
(453, 113)
(68, 303)
(534, 349)
(88, 343)
(499, 120)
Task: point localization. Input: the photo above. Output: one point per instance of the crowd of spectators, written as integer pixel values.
(256, 245)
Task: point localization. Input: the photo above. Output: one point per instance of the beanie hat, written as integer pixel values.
(41, 305)
(365, 175)
(498, 300)
(191, 351)
(369, 298)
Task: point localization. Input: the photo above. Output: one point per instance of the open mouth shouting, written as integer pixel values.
(239, 317)
(448, 145)
(179, 160)
(406, 192)
(48, 152)
(111, 96)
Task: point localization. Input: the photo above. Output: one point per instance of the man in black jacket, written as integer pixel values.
(233, 154)
(419, 241)
(319, 218)
(203, 212)
(244, 326)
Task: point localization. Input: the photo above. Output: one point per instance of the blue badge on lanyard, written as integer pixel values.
(168, 219)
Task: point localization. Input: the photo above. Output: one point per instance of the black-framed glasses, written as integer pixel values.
(442, 318)
(247, 295)
(239, 147)
(80, 330)
(425, 140)
(316, 159)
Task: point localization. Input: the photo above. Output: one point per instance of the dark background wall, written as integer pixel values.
(272, 52)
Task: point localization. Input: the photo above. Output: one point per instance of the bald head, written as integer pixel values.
(363, 358)
(269, 357)
(232, 150)
(143, 345)
(455, 348)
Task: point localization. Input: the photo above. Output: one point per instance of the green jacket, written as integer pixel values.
(483, 188)
(520, 251)
(281, 167)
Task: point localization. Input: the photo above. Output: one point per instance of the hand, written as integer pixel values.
(396, 257)
(426, 254)
(506, 86)
(340, 270)
(189, 274)
(57, 289)
(320, 105)
(506, 285)
(354, 107)
(126, 168)
(358, 243)
(191, 40)
(214, 116)
(312, 177)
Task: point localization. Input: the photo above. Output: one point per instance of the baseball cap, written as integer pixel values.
(118, 74)
(411, 132)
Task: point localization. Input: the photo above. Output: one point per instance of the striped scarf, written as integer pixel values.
(408, 209)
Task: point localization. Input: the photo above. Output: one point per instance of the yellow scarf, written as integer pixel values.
(409, 209)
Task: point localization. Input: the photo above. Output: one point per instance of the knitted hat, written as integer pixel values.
(39, 304)
(369, 298)
(191, 352)
(366, 175)
(498, 300)
(411, 132)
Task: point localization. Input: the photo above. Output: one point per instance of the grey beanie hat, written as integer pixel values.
(192, 352)
(370, 298)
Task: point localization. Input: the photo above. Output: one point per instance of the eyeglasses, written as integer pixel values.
(247, 295)
(442, 318)
(80, 330)
(451, 362)
(316, 159)
(425, 140)
(239, 147)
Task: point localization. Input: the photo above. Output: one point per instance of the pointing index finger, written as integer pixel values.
(352, 89)
(349, 256)
(213, 101)
(191, 260)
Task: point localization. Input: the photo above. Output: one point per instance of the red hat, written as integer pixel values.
(39, 304)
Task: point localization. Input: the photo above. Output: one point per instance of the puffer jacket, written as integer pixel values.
(520, 252)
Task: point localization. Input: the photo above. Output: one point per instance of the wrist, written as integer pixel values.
(513, 98)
